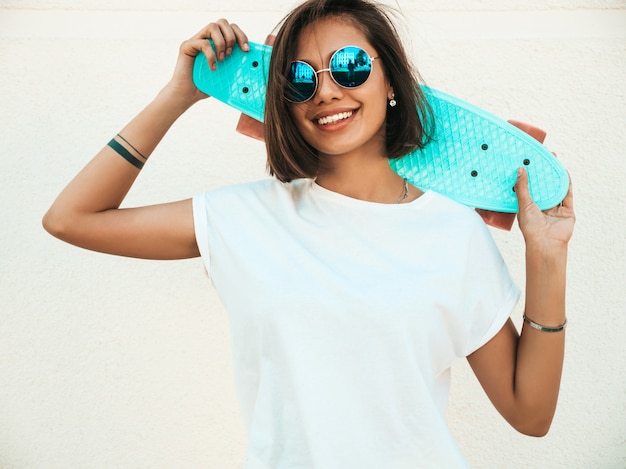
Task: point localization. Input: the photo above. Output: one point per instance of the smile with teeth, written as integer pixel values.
(334, 118)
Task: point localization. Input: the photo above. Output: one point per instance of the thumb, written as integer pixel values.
(521, 190)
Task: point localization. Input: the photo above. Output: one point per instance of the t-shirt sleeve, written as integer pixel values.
(491, 291)
(201, 227)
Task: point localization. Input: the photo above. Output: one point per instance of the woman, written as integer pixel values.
(365, 289)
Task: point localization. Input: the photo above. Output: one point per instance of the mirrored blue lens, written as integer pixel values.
(350, 66)
(302, 82)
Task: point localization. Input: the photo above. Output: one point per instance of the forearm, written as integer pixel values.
(521, 374)
(539, 358)
(147, 129)
(104, 182)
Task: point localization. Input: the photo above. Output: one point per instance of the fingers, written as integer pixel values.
(521, 189)
(568, 201)
(525, 201)
(224, 36)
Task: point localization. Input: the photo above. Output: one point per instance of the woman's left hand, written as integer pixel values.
(554, 226)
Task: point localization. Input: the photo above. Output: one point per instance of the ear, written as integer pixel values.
(390, 93)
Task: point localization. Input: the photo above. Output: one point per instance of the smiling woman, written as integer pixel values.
(343, 123)
(361, 290)
(290, 156)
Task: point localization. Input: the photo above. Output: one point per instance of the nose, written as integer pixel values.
(327, 89)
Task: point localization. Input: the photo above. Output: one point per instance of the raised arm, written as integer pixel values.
(87, 212)
(521, 374)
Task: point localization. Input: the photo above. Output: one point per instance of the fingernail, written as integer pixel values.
(221, 57)
(229, 51)
(245, 46)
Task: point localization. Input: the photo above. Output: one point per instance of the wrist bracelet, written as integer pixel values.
(541, 328)
(124, 153)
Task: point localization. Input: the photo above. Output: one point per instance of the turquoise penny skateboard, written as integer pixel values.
(473, 157)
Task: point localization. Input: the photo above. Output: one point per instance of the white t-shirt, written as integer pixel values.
(345, 318)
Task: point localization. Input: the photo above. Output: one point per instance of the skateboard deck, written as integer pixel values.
(473, 157)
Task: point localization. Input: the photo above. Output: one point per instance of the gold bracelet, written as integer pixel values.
(541, 328)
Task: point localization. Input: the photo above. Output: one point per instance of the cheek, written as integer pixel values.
(298, 113)
(376, 113)
(379, 98)
(381, 105)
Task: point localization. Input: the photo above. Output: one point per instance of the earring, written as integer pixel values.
(392, 101)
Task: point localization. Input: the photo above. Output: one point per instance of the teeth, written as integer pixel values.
(336, 118)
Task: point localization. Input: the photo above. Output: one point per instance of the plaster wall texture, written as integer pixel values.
(111, 362)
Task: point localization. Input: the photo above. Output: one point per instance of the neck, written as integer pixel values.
(371, 182)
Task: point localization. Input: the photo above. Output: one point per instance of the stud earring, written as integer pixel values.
(392, 101)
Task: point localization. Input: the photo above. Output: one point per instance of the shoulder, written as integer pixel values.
(265, 192)
(459, 228)
(243, 189)
(451, 213)
(260, 188)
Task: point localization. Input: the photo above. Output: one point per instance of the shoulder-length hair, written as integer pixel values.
(408, 125)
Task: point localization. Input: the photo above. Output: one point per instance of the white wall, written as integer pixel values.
(109, 362)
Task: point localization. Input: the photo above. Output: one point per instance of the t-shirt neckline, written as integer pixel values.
(347, 200)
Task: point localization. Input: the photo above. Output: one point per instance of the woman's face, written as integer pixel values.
(339, 121)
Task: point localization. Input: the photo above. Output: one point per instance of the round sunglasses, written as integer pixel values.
(349, 67)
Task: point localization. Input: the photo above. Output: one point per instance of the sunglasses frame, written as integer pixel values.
(317, 72)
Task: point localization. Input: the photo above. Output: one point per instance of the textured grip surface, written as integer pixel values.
(239, 81)
(472, 159)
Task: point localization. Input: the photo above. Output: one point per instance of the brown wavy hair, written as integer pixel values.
(408, 125)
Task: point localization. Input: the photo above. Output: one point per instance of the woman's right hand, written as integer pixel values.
(224, 36)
